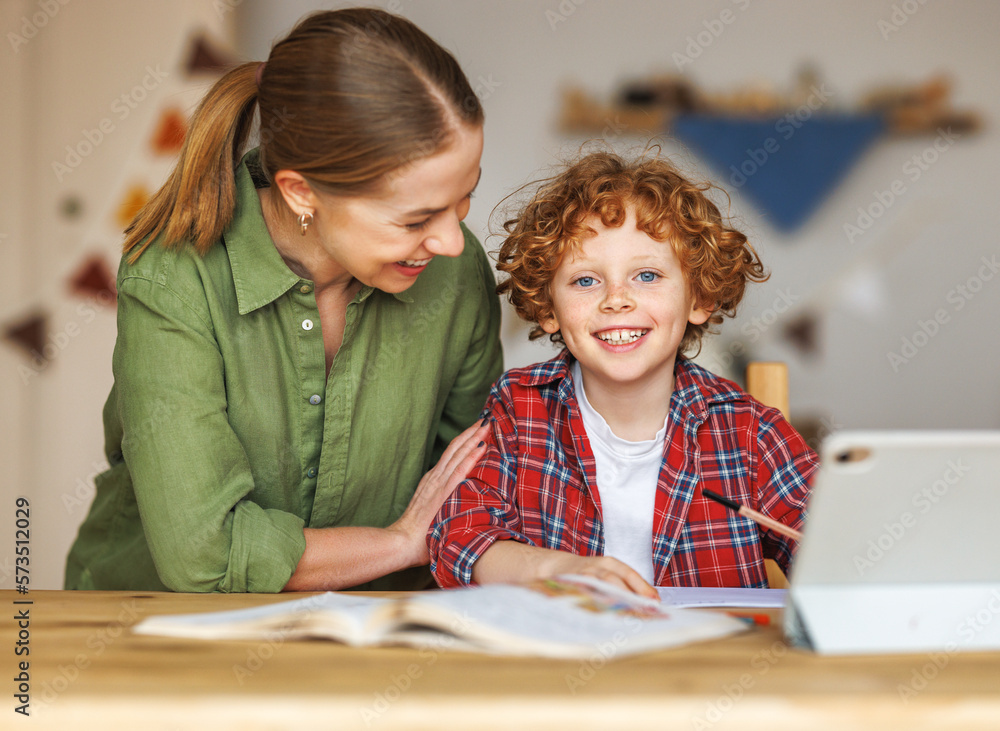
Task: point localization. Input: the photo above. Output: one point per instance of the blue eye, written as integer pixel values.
(585, 281)
(648, 277)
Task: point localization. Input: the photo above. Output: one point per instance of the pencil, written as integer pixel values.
(754, 515)
(758, 619)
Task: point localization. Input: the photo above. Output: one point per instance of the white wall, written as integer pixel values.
(930, 241)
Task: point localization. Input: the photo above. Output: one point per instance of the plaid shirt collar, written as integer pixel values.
(695, 389)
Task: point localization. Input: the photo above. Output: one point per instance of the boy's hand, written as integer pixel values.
(513, 562)
(605, 568)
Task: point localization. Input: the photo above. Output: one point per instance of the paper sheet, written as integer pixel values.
(711, 596)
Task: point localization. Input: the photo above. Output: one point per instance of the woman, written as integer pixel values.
(300, 340)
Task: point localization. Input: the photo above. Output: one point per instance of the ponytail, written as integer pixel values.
(197, 202)
(347, 98)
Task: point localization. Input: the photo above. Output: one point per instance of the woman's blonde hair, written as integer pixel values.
(347, 98)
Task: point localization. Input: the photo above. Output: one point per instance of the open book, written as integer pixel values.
(567, 617)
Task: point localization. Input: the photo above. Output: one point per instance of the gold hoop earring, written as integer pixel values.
(305, 220)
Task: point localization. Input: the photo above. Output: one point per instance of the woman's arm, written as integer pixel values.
(202, 510)
(189, 471)
(194, 487)
(337, 558)
(343, 557)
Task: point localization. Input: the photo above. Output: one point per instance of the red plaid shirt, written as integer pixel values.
(537, 482)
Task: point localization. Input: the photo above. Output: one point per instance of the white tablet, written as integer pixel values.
(901, 545)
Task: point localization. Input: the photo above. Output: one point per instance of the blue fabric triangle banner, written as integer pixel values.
(786, 166)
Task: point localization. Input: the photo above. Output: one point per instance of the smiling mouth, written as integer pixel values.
(620, 337)
(414, 262)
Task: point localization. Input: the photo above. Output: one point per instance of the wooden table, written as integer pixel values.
(88, 671)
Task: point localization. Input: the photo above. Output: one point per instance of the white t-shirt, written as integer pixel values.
(627, 474)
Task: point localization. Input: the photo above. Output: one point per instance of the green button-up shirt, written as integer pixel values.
(225, 436)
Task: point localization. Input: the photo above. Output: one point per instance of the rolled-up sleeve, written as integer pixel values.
(192, 480)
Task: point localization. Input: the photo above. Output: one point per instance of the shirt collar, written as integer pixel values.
(547, 371)
(695, 389)
(260, 275)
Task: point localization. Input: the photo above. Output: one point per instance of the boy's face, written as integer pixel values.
(622, 304)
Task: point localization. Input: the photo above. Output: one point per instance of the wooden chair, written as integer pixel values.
(768, 383)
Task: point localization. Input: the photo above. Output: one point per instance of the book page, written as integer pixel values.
(568, 617)
(346, 617)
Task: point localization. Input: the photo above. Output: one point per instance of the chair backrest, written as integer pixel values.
(768, 383)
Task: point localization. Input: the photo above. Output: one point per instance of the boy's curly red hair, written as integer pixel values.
(717, 260)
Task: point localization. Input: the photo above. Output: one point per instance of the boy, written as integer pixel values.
(597, 458)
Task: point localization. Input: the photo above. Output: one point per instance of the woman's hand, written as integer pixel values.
(337, 558)
(512, 562)
(454, 466)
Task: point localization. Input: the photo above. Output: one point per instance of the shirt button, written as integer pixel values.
(305, 289)
(315, 399)
(307, 324)
(311, 472)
